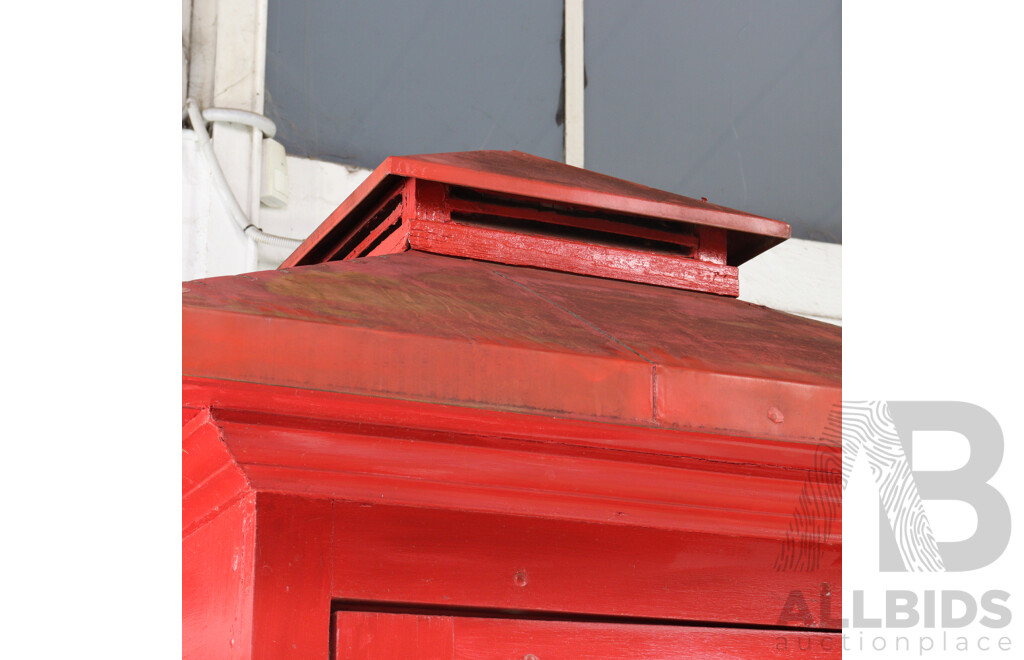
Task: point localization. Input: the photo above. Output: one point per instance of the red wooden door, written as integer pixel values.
(384, 636)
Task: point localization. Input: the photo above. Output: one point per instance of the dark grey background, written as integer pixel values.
(738, 101)
(356, 82)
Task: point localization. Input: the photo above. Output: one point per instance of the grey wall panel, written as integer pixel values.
(355, 82)
(735, 100)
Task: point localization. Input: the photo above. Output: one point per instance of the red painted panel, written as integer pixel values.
(202, 452)
(217, 585)
(380, 636)
(460, 559)
(690, 399)
(291, 606)
(386, 636)
(477, 639)
(210, 478)
(518, 249)
(250, 348)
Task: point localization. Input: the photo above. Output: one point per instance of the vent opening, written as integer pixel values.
(520, 210)
(560, 221)
(567, 232)
(381, 223)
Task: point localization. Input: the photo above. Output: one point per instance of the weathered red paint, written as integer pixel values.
(505, 460)
(507, 247)
(463, 332)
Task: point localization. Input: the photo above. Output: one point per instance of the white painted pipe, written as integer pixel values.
(222, 186)
(244, 117)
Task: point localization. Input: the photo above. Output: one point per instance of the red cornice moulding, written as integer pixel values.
(355, 449)
(420, 419)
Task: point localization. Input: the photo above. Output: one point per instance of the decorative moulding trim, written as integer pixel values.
(396, 452)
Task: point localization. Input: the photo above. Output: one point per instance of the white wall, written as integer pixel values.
(213, 245)
(799, 277)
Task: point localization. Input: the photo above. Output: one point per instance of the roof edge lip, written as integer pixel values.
(408, 166)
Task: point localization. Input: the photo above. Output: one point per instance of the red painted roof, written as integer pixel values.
(517, 173)
(438, 329)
